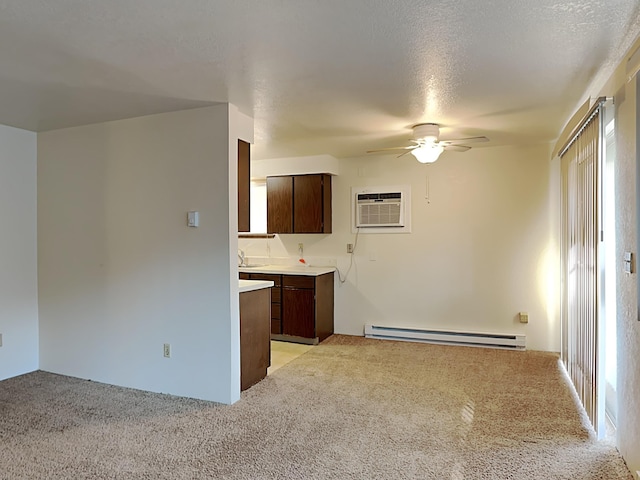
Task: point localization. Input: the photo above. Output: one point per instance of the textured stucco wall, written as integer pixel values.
(627, 302)
(628, 326)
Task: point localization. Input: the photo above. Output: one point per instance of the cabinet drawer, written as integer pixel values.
(276, 279)
(275, 311)
(276, 327)
(244, 276)
(276, 295)
(298, 281)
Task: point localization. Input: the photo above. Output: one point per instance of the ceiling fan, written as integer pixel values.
(428, 145)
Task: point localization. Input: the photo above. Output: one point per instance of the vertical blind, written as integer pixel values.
(581, 280)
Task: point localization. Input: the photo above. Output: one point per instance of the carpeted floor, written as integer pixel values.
(350, 408)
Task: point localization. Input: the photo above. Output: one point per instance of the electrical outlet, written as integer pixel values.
(167, 350)
(349, 247)
(524, 317)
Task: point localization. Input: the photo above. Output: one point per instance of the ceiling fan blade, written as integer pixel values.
(458, 141)
(456, 148)
(392, 149)
(403, 154)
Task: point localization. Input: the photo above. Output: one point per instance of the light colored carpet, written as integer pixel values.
(350, 408)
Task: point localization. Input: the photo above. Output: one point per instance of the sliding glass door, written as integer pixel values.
(583, 265)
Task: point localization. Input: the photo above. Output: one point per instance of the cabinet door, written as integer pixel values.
(298, 312)
(324, 306)
(244, 186)
(280, 204)
(255, 339)
(326, 204)
(308, 204)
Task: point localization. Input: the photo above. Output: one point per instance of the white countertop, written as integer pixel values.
(288, 270)
(250, 285)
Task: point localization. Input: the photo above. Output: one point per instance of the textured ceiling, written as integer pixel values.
(319, 76)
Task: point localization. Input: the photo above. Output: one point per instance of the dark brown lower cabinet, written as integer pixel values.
(301, 306)
(255, 337)
(307, 308)
(276, 292)
(298, 313)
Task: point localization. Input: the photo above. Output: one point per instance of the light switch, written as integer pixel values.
(193, 219)
(628, 262)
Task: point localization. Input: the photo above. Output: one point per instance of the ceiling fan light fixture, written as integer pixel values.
(427, 153)
(427, 146)
(427, 132)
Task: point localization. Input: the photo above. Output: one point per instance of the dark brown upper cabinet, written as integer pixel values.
(299, 204)
(244, 186)
(280, 204)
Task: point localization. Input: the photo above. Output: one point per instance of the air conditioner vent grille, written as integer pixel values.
(379, 210)
(380, 214)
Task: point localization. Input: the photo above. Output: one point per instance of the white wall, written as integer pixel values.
(482, 248)
(18, 263)
(120, 273)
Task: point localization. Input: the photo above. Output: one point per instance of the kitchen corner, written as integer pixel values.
(302, 300)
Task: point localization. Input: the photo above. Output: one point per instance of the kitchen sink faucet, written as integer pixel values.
(241, 257)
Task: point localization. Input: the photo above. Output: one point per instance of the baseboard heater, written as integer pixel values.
(447, 337)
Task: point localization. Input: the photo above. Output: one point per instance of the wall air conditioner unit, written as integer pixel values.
(379, 209)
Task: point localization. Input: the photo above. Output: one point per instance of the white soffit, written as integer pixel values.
(264, 168)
